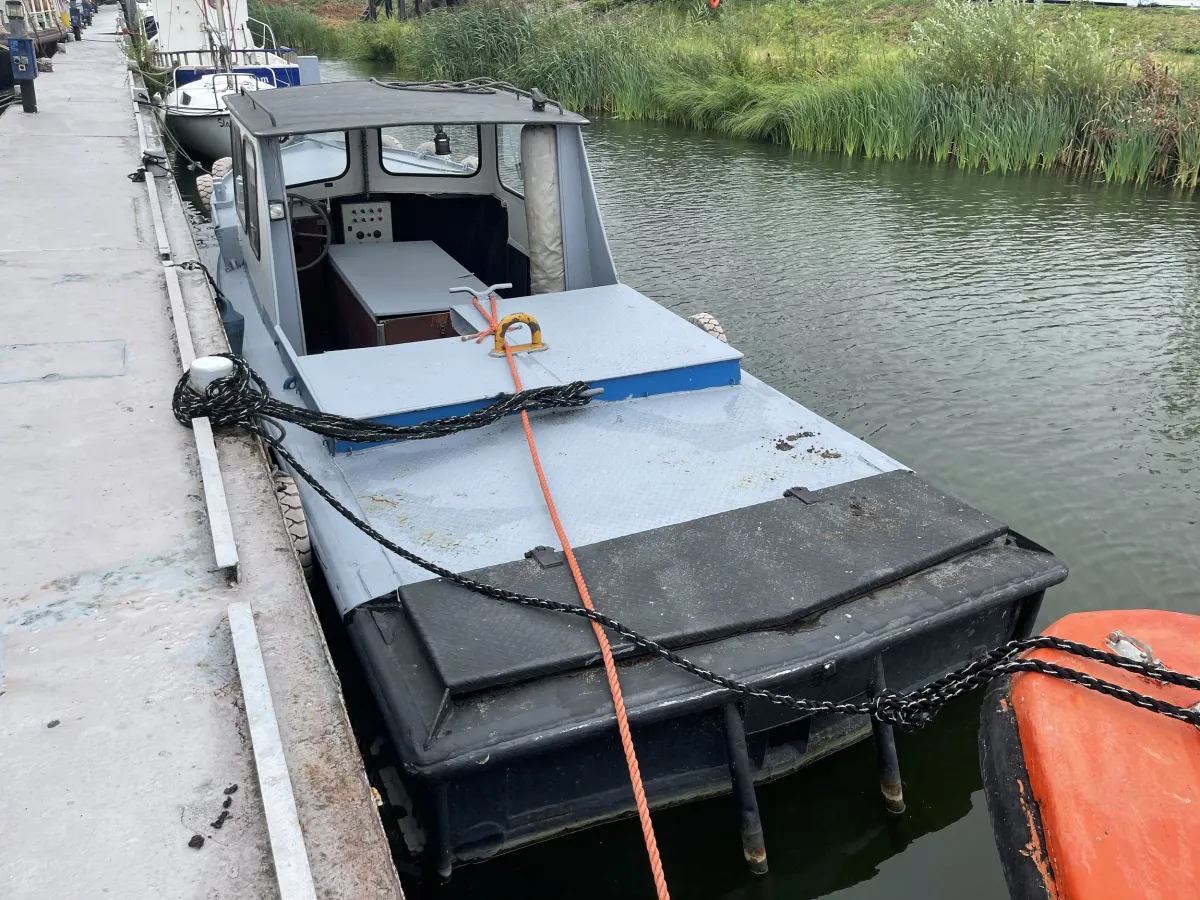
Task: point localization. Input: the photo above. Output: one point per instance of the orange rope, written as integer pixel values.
(610, 667)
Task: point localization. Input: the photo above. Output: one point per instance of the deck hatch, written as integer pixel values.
(688, 583)
(611, 337)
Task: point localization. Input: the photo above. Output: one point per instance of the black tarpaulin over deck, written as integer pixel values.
(763, 566)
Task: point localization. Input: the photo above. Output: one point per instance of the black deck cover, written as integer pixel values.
(759, 567)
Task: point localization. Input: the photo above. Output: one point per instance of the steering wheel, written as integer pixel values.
(326, 234)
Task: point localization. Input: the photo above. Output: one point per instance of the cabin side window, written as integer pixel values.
(508, 158)
(447, 151)
(239, 180)
(315, 158)
(250, 201)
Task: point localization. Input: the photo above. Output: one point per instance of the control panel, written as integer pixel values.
(367, 223)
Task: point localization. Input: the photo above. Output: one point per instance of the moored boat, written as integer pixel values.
(1091, 797)
(379, 239)
(196, 113)
(46, 21)
(207, 51)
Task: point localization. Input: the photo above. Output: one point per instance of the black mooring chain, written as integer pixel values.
(243, 399)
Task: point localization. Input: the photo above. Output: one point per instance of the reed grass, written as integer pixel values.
(297, 27)
(1005, 86)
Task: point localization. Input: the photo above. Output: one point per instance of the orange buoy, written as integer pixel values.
(1092, 798)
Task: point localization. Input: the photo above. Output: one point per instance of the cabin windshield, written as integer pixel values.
(451, 150)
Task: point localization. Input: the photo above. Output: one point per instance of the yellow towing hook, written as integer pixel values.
(535, 334)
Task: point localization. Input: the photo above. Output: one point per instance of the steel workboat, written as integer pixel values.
(364, 231)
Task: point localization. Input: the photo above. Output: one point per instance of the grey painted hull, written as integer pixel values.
(203, 134)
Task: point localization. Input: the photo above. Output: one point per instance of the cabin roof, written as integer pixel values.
(347, 105)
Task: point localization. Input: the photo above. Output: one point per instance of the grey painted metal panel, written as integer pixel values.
(310, 69)
(590, 257)
(277, 241)
(346, 105)
(604, 271)
(472, 499)
(592, 335)
(577, 258)
(402, 278)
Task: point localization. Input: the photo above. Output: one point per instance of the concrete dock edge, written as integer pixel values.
(122, 722)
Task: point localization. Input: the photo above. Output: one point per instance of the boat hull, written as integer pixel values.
(497, 769)
(201, 134)
(1089, 796)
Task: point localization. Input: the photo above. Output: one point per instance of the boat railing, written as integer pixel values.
(173, 59)
(222, 83)
(268, 40)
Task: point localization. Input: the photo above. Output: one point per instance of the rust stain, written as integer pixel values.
(1033, 849)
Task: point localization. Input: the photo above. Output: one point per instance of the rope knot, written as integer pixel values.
(904, 713)
(238, 398)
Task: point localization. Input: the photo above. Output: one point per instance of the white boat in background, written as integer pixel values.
(209, 49)
(196, 111)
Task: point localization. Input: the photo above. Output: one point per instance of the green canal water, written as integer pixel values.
(1030, 343)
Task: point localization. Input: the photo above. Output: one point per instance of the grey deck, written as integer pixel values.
(403, 278)
(593, 334)
(112, 620)
(758, 567)
(471, 500)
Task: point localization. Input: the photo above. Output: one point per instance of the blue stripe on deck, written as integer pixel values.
(671, 381)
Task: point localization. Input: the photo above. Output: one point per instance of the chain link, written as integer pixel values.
(243, 399)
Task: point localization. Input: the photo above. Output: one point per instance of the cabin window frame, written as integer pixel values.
(386, 171)
(239, 195)
(500, 171)
(342, 174)
(251, 223)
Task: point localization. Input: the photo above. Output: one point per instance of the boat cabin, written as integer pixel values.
(381, 229)
(364, 230)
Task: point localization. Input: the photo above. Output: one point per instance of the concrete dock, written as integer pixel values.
(123, 725)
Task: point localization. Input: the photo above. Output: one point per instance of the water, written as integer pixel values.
(1030, 343)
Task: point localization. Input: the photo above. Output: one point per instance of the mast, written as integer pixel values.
(223, 64)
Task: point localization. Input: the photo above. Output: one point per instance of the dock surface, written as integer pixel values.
(123, 727)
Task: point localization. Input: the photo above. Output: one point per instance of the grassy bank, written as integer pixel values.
(1002, 86)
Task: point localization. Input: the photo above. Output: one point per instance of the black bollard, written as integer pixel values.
(753, 846)
(28, 97)
(885, 750)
